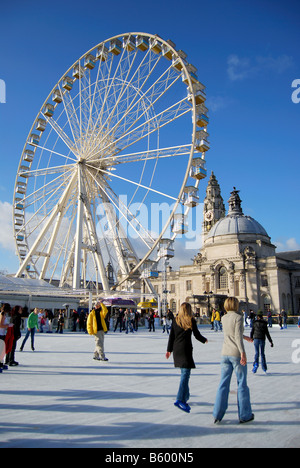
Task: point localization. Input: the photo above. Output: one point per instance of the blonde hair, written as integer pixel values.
(184, 317)
(231, 304)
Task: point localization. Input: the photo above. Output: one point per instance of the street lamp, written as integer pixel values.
(208, 294)
(165, 252)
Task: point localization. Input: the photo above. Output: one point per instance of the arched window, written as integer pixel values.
(173, 306)
(223, 278)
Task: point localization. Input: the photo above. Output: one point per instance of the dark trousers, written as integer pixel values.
(10, 357)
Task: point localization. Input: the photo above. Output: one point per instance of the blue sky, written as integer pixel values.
(247, 54)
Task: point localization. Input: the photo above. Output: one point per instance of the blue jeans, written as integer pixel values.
(228, 365)
(28, 333)
(270, 323)
(184, 392)
(259, 346)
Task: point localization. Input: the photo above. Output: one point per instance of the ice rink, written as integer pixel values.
(60, 397)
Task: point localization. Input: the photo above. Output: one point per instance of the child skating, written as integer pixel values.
(259, 333)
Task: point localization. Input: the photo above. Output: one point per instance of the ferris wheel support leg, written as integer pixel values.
(159, 305)
(78, 235)
(150, 287)
(67, 266)
(52, 241)
(97, 254)
(58, 208)
(90, 300)
(114, 225)
(90, 226)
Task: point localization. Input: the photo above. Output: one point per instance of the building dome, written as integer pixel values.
(236, 222)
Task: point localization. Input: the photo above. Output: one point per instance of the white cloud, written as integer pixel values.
(277, 65)
(240, 68)
(216, 103)
(286, 245)
(6, 228)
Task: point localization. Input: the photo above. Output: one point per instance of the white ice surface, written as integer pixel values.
(60, 397)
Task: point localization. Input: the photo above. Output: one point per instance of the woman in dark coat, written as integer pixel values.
(180, 343)
(16, 314)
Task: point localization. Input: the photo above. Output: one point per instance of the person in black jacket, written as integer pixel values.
(180, 343)
(16, 314)
(259, 333)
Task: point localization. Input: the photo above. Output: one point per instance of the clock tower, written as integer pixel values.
(214, 208)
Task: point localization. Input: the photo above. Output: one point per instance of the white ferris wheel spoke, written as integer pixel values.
(71, 115)
(154, 124)
(48, 171)
(125, 213)
(127, 216)
(130, 217)
(104, 94)
(36, 220)
(62, 135)
(135, 93)
(47, 190)
(111, 174)
(128, 122)
(43, 148)
(159, 153)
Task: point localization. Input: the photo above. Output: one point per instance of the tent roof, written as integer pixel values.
(12, 285)
(9, 283)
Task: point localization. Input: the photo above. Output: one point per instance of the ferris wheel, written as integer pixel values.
(124, 130)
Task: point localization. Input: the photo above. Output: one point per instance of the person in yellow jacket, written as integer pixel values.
(96, 326)
(217, 321)
(213, 314)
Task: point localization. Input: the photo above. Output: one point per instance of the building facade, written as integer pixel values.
(237, 259)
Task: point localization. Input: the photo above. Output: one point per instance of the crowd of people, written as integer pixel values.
(249, 319)
(14, 319)
(128, 320)
(180, 329)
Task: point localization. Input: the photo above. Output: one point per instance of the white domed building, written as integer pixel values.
(237, 259)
